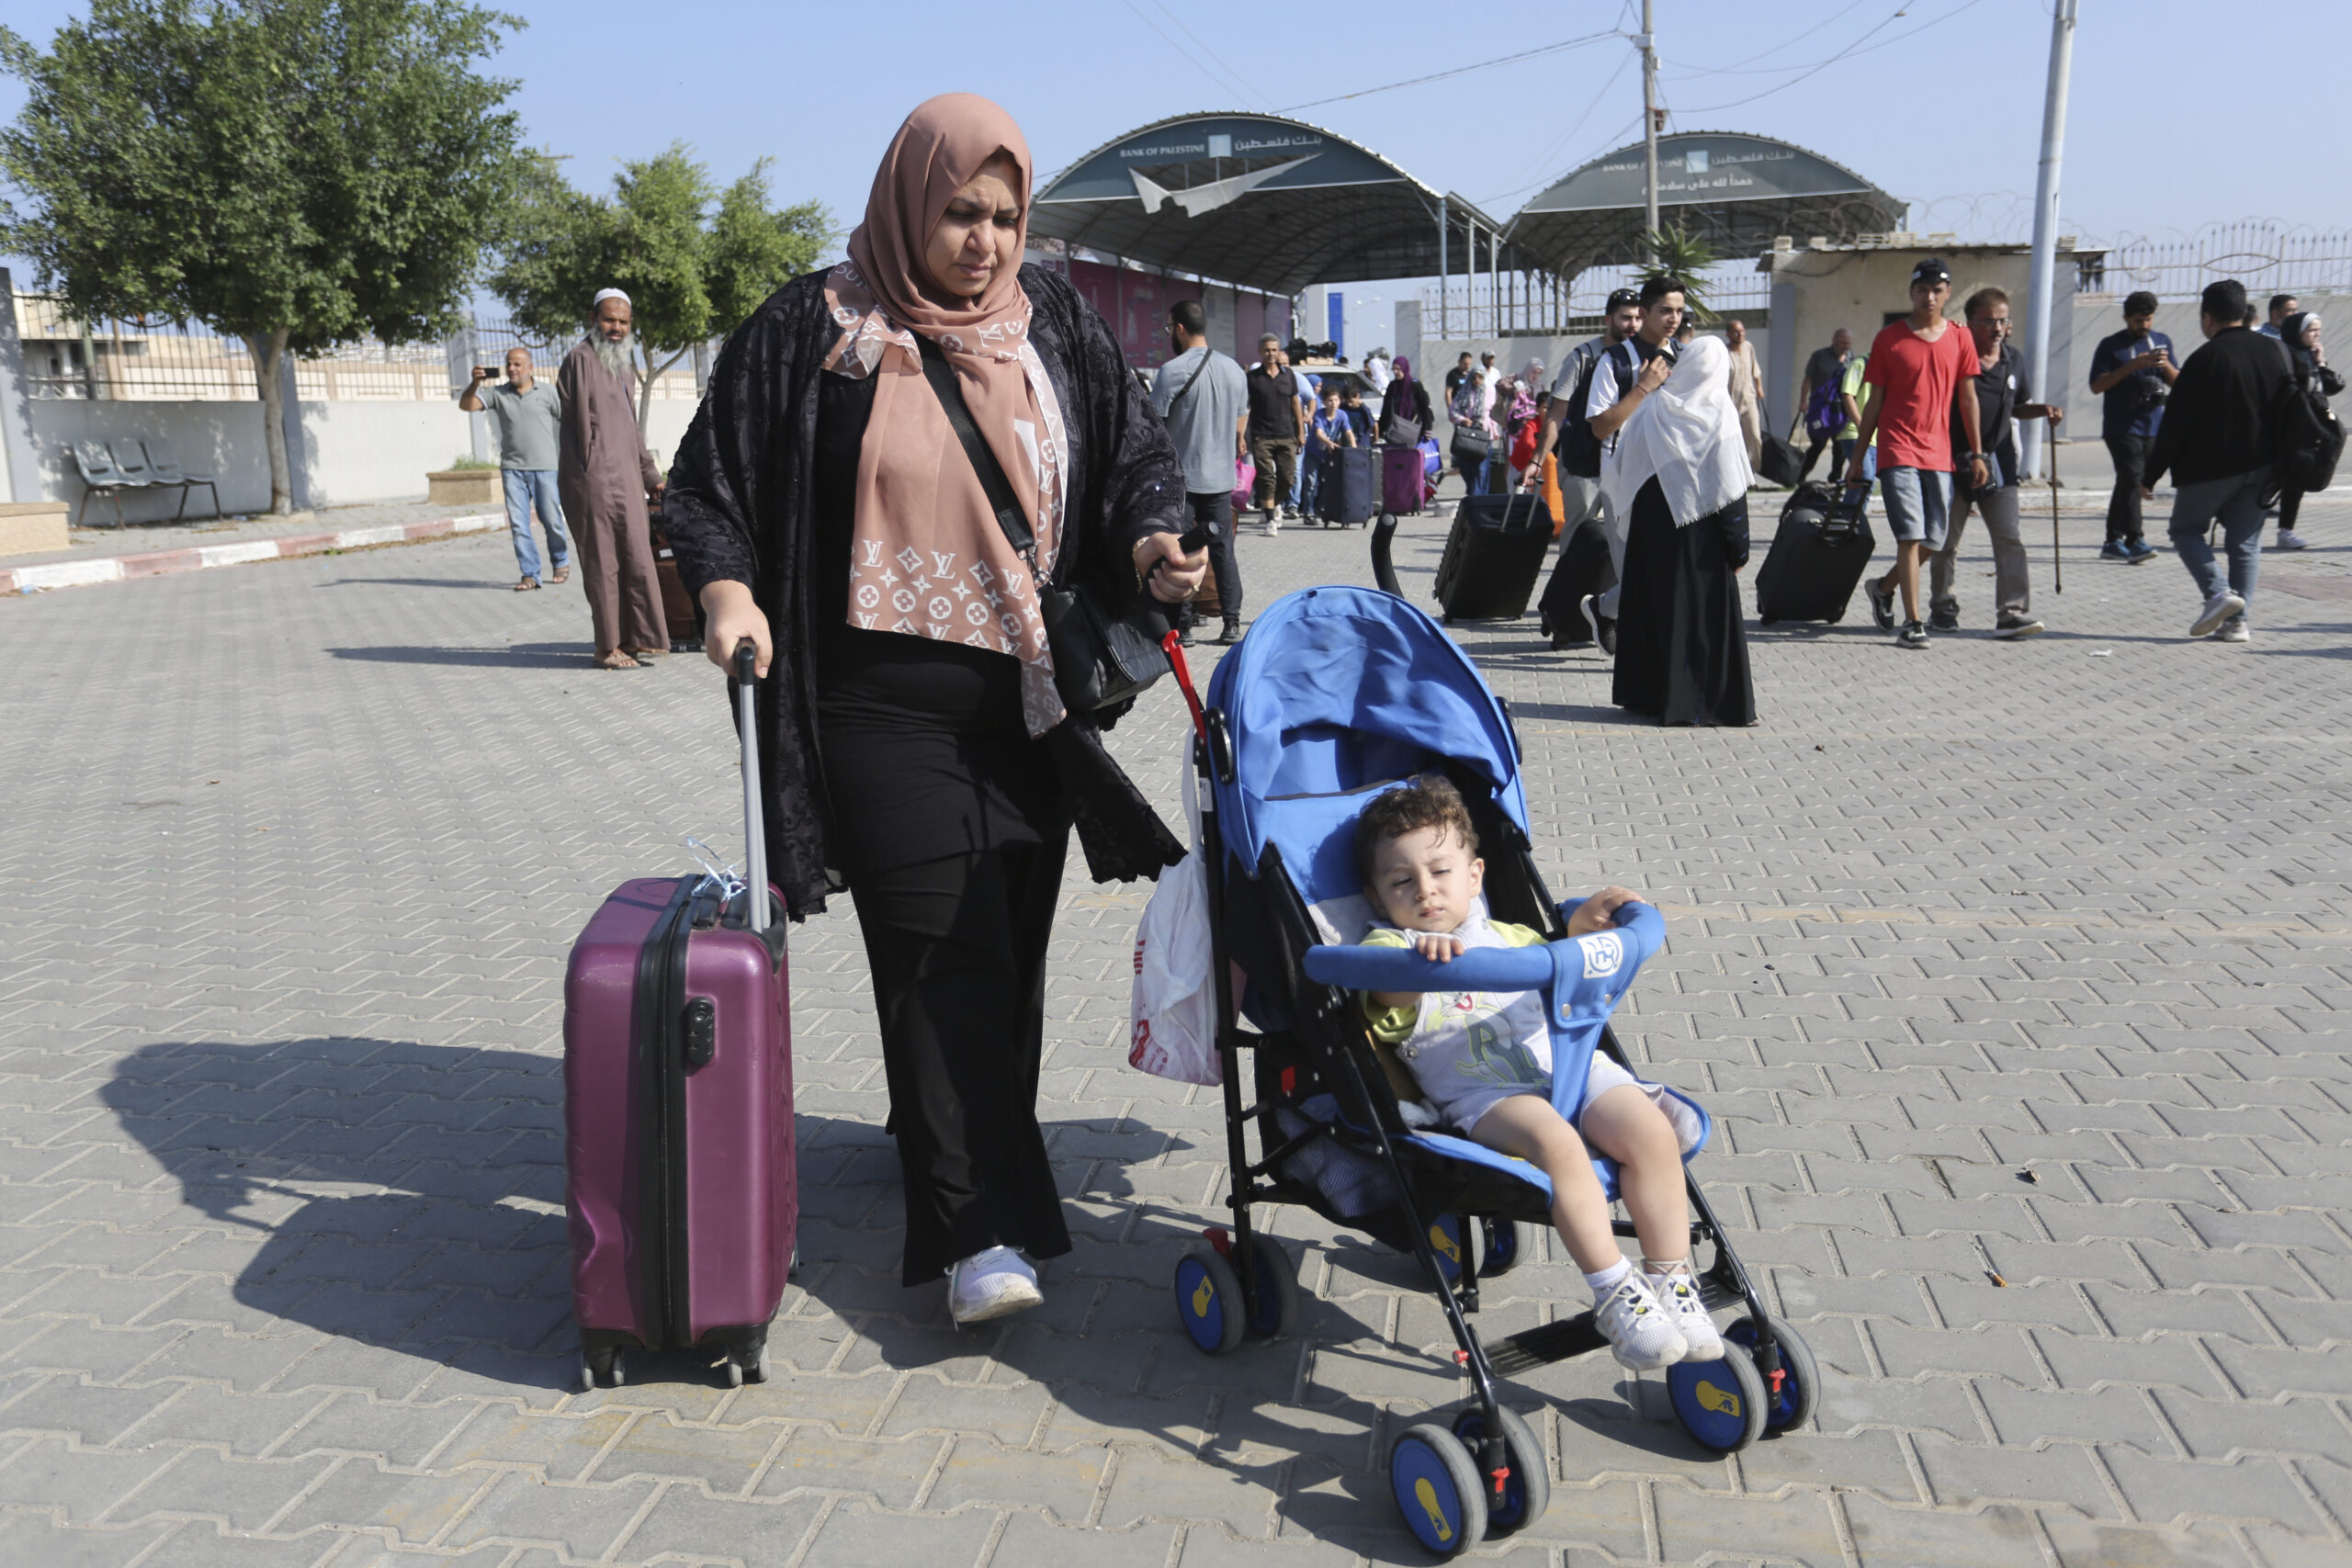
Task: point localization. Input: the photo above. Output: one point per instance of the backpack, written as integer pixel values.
(2306, 439)
(1579, 450)
(1825, 414)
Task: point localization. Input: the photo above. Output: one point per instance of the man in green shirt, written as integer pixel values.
(527, 415)
(1850, 396)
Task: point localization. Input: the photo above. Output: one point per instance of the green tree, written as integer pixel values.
(693, 259)
(1677, 253)
(294, 172)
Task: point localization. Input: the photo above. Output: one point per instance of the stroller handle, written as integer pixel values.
(1547, 967)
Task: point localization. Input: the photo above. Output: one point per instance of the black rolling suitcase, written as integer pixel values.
(1492, 555)
(1817, 555)
(1350, 491)
(1584, 569)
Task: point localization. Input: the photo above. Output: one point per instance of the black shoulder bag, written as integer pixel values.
(1104, 655)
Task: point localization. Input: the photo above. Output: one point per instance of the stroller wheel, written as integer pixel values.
(1528, 1492)
(1208, 1300)
(1791, 1405)
(1723, 1403)
(1435, 1483)
(1277, 1283)
(1508, 1244)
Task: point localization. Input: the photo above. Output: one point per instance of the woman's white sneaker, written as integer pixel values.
(992, 1283)
(1640, 1332)
(1677, 1290)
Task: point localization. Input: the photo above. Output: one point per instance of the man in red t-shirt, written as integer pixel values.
(1922, 382)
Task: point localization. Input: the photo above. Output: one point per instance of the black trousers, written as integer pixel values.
(1217, 512)
(1814, 446)
(958, 950)
(2130, 454)
(2291, 506)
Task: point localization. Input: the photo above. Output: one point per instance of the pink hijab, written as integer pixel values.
(927, 557)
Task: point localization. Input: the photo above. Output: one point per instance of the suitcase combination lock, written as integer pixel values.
(701, 1032)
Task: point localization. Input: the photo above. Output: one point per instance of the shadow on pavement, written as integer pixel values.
(512, 655)
(446, 1240)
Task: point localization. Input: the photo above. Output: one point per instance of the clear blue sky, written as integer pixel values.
(2183, 113)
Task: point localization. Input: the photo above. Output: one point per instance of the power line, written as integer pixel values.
(1543, 160)
(1790, 43)
(1561, 47)
(1850, 50)
(1235, 75)
(1227, 86)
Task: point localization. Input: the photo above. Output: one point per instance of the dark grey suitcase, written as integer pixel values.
(1817, 555)
(1350, 491)
(1493, 554)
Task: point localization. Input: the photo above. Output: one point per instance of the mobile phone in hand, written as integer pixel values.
(1199, 536)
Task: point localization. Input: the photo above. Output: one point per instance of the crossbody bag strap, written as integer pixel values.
(1190, 381)
(993, 482)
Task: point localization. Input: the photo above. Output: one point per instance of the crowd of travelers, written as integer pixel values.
(922, 733)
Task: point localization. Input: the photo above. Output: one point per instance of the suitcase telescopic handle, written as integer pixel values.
(747, 724)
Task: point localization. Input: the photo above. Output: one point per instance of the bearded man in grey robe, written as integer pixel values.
(604, 477)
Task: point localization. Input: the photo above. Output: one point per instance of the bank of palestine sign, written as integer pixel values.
(1197, 167)
(1702, 167)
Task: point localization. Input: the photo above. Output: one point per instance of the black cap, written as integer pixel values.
(1931, 270)
(1620, 298)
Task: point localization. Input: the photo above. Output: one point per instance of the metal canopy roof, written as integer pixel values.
(1737, 190)
(1256, 200)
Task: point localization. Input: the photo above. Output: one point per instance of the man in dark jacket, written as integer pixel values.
(2216, 440)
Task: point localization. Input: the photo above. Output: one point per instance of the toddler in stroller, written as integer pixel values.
(1485, 1060)
(1339, 699)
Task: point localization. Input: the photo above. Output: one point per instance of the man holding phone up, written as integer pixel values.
(528, 418)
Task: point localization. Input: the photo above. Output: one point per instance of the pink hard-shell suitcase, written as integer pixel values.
(680, 1185)
(1400, 481)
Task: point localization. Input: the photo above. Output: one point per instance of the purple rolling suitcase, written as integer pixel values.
(1402, 477)
(680, 1185)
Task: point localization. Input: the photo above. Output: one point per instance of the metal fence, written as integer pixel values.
(149, 359)
(2267, 258)
(1480, 307)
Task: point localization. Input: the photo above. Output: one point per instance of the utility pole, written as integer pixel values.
(1649, 123)
(2041, 295)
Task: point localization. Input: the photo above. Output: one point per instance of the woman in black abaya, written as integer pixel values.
(1678, 468)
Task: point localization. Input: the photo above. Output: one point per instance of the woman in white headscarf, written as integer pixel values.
(1678, 470)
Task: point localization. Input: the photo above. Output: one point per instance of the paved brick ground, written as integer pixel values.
(295, 853)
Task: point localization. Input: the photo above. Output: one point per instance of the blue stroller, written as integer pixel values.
(1336, 694)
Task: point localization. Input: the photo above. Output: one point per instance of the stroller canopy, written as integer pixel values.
(1335, 695)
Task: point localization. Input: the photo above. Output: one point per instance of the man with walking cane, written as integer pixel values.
(2001, 390)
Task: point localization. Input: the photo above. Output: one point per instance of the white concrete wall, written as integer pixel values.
(222, 439)
(350, 452)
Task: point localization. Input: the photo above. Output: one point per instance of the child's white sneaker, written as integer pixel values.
(1677, 1290)
(1640, 1331)
(992, 1283)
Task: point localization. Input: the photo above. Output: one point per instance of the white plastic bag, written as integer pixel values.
(1172, 1010)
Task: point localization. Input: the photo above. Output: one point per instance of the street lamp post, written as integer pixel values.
(1649, 125)
(2041, 294)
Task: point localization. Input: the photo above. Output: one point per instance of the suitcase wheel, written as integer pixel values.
(730, 1371)
(601, 1368)
(1768, 620)
(756, 1370)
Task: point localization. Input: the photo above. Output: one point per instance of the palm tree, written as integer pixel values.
(1676, 253)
